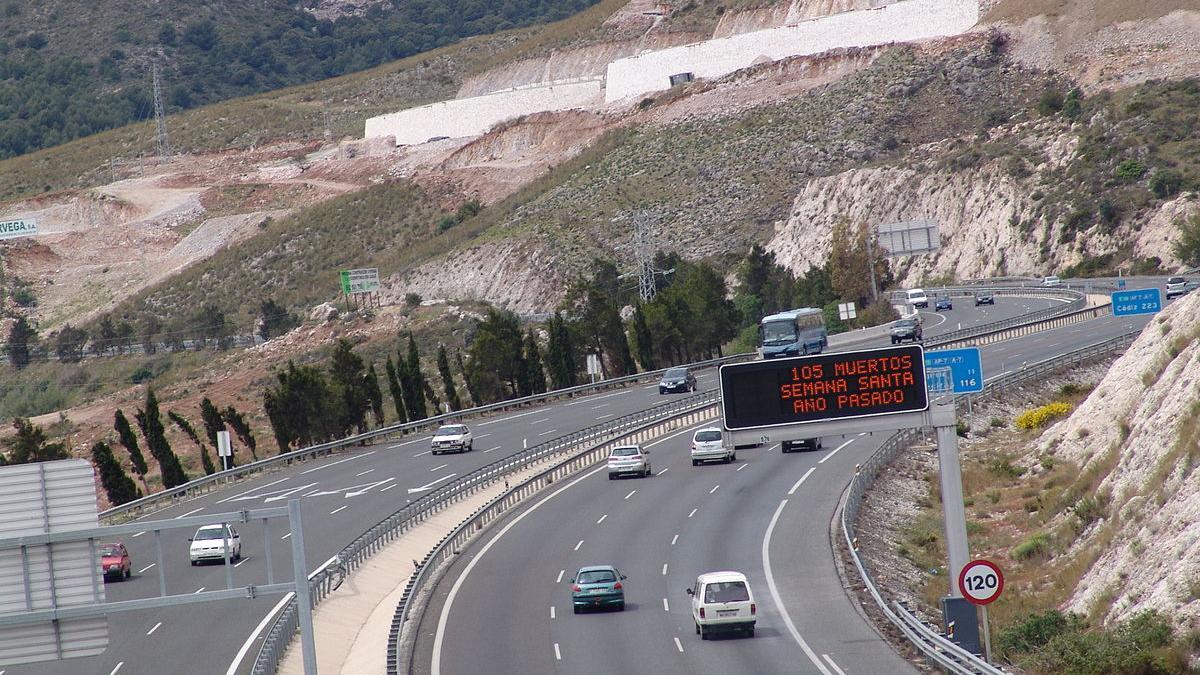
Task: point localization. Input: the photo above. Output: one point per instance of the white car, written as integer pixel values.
(628, 460)
(917, 298)
(209, 544)
(456, 437)
(708, 446)
(722, 601)
(1177, 286)
(1051, 281)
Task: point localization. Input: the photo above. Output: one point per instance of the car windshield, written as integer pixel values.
(109, 550)
(451, 431)
(776, 332)
(726, 591)
(596, 577)
(675, 373)
(905, 323)
(214, 533)
(1175, 280)
(710, 435)
(624, 452)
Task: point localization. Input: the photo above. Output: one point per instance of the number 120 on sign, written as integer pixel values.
(980, 582)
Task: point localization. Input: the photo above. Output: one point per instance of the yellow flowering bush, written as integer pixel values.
(1039, 417)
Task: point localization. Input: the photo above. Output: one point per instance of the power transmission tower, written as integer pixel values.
(644, 248)
(160, 123)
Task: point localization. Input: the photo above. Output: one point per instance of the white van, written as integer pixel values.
(917, 298)
(707, 445)
(722, 601)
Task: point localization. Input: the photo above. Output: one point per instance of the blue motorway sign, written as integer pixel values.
(1139, 301)
(964, 366)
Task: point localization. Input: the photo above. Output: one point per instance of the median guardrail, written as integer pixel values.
(927, 639)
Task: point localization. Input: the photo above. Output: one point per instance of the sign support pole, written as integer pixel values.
(952, 504)
(987, 637)
(308, 642)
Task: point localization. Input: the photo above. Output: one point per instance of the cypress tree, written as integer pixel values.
(415, 387)
(375, 395)
(21, 339)
(642, 339)
(535, 375)
(190, 431)
(150, 422)
(213, 422)
(119, 487)
(560, 353)
(129, 440)
(242, 429)
(349, 377)
(396, 392)
(283, 435)
(443, 366)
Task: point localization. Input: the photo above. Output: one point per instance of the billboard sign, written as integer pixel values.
(364, 280)
(11, 229)
(824, 387)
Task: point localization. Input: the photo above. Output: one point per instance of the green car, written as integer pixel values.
(597, 586)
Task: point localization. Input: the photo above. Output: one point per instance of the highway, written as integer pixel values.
(345, 494)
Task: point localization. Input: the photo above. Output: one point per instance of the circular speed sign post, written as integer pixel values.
(981, 582)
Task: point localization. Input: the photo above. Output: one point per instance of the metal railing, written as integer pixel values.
(928, 640)
(323, 580)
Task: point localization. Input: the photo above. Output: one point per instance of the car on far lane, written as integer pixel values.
(209, 543)
(1178, 286)
(708, 445)
(628, 460)
(677, 379)
(908, 328)
(115, 562)
(943, 302)
(1051, 281)
(984, 298)
(456, 437)
(597, 586)
(801, 444)
(722, 601)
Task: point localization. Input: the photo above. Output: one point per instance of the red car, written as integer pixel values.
(115, 562)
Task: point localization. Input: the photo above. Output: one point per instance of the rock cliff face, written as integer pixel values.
(1139, 431)
(788, 13)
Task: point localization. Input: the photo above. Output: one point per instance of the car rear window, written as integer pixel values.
(624, 452)
(596, 577)
(726, 591)
(708, 435)
(1175, 280)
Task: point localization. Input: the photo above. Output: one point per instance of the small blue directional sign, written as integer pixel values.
(965, 366)
(1139, 301)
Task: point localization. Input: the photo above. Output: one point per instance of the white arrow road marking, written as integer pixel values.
(283, 494)
(431, 484)
(247, 492)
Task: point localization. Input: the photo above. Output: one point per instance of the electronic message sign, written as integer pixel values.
(823, 387)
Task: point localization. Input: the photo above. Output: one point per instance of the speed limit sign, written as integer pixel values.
(980, 582)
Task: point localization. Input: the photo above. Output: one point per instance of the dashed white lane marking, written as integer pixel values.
(252, 490)
(146, 568)
(693, 513)
(135, 536)
(545, 419)
(338, 509)
(551, 611)
(491, 449)
(663, 471)
(240, 562)
(510, 417)
(415, 440)
(601, 417)
(422, 454)
(591, 399)
(797, 484)
(772, 447)
(835, 451)
(714, 489)
(438, 467)
(557, 653)
(114, 670)
(631, 493)
(602, 405)
(678, 645)
(665, 572)
(547, 432)
(579, 544)
(340, 461)
(198, 590)
(675, 538)
(560, 576)
(483, 435)
(601, 519)
(363, 473)
(185, 515)
(286, 535)
(742, 467)
(156, 627)
(666, 607)
(833, 665)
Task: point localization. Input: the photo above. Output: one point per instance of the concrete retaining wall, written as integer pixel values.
(473, 116)
(901, 22)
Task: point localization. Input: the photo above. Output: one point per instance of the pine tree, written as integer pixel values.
(236, 420)
(443, 366)
(150, 422)
(375, 395)
(535, 375)
(129, 440)
(349, 379)
(119, 487)
(21, 340)
(396, 392)
(30, 444)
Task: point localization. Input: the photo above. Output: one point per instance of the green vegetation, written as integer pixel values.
(1051, 642)
(30, 445)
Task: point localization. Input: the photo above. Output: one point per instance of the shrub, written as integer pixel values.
(1039, 417)
(1087, 511)
(997, 422)
(1036, 546)
(1069, 389)
(1165, 183)
(1130, 169)
(1037, 630)
(1003, 467)
(412, 299)
(1050, 102)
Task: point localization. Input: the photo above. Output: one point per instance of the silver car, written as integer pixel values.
(628, 460)
(708, 445)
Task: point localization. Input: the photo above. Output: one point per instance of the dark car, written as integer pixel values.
(943, 302)
(906, 329)
(115, 562)
(677, 379)
(984, 298)
(801, 445)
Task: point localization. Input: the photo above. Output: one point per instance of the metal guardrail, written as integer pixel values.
(931, 642)
(323, 580)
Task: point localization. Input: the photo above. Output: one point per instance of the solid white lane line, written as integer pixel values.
(772, 447)
(666, 607)
(592, 399)
(253, 637)
(114, 670)
(415, 440)
(156, 627)
(198, 590)
(439, 636)
(680, 433)
(326, 466)
(439, 467)
(338, 509)
(604, 416)
(135, 536)
(185, 515)
(835, 450)
(631, 493)
(601, 519)
(714, 489)
(546, 419)
(560, 576)
(663, 471)
(146, 568)
(787, 619)
(665, 574)
(491, 449)
(579, 544)
(388, 487)
(557, 653)
(678, 645)
(483, 435)
(363, 473)
(251, 490)
(674, 539)
(833, 665)
(511, 417)
(551, 611)
(422, 454)
(742, 467)
(692, 513)
(797, 484)
(286, 535)
(548, 431)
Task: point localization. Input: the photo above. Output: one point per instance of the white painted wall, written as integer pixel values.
(473, 116)
(901, 22)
